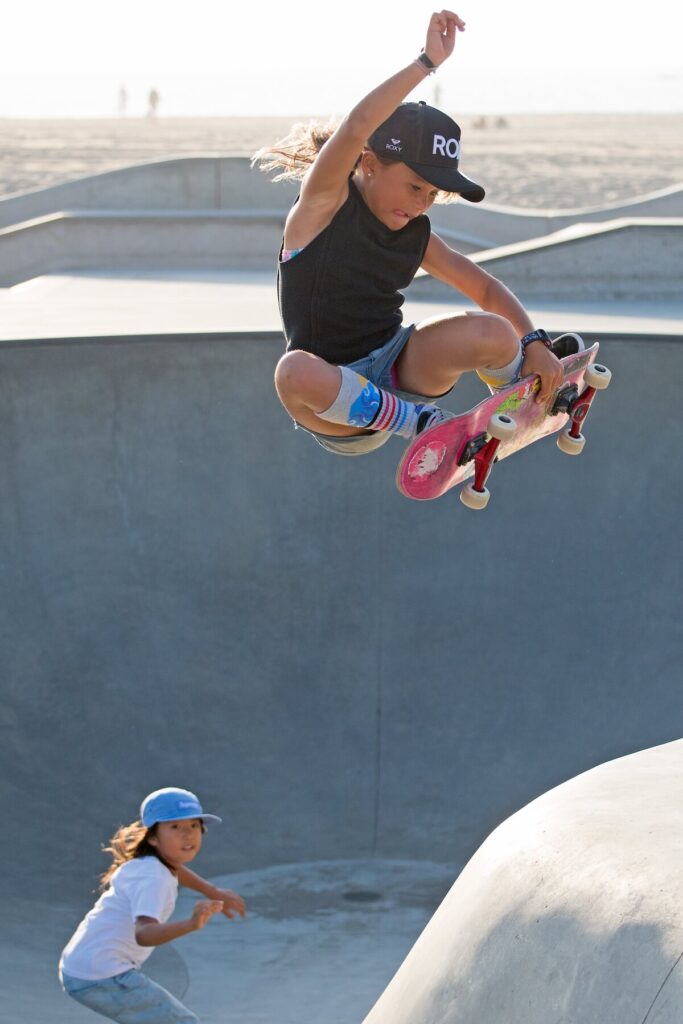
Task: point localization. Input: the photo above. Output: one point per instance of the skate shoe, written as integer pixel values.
(567, 345)
(428, 416)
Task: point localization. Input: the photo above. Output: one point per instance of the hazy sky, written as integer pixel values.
(226, 58)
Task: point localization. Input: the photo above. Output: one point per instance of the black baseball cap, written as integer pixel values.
(428, 141)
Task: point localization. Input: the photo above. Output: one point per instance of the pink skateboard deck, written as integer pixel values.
(463, 446)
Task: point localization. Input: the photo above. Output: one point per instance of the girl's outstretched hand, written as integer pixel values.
(232, 903)
(203, 910)
(441, 35)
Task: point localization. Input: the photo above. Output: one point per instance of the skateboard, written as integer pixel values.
(469, 444)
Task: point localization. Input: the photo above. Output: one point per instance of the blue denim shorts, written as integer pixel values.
(130, 998)
(379, 367)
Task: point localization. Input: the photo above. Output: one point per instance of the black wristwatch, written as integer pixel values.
(427, 63)
(539, 335)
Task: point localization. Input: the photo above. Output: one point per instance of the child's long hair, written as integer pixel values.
(293, 155)
(127, 843)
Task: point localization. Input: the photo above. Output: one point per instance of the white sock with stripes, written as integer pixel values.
(360, 403)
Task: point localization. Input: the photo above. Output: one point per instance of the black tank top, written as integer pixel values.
(339, 298)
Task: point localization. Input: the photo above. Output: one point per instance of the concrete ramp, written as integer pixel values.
(230, 183)
(139, 240)
(187, 183)
(637, 258)
(503, 225)
(572, 910)
(194, 593)
(218, 211)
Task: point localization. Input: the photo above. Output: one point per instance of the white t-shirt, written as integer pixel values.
(104, 943)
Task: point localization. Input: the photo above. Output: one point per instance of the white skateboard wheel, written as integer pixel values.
(597, 376)
(570, 445)
(474, 499)
(501, 426)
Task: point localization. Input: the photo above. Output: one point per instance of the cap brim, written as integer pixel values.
(186, 817)
(449, 181)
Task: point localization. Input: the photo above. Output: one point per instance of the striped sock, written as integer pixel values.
(396, 416)
(359, 403)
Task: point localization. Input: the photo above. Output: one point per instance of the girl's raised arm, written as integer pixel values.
(328, 176)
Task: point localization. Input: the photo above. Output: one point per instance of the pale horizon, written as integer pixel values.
(301, 58)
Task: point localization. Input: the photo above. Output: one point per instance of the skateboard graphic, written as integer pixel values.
(469, 444)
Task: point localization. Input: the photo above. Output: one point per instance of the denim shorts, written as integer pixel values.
(379, 367)
(130, 998)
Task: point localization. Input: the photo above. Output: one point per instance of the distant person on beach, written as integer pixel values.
(358, 232)
(153, 103)
(100, 966)
(123, 101)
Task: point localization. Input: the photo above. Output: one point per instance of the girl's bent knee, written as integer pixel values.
(291, 369)
(297, 372)
(503, 340)
(499, 326)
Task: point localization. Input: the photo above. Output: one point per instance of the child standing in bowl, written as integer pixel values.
(100, 966)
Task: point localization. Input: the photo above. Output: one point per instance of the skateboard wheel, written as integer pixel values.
(474, 499)
(570, 445)
(501, 426)
(597, 376)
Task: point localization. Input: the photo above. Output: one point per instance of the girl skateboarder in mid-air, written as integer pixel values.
(358, 232)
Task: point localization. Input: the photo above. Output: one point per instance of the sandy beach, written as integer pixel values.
(531, 161)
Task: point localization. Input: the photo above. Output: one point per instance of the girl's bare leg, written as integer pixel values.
(438, 352)
(443, 348)
(306, 384)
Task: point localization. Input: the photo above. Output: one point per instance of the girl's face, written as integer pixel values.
(178, 842)
(393, 192)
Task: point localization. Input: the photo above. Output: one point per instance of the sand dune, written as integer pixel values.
(536, 161)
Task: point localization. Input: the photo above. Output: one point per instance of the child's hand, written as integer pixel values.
(441, 35)
(203, 910)
(231, 903)
(540, 360)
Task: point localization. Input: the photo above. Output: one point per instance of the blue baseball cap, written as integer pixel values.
(172, 805)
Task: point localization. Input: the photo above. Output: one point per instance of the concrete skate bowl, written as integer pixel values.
(195, 594)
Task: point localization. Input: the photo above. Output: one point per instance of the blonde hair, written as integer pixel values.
(296, 152)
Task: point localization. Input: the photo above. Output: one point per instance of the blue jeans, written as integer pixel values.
(130, 998)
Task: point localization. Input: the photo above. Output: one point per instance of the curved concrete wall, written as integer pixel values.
(581, 263)
(137, 240)
(502, 225)
(621, 259)
(195, 593)
(572, 910)
(190, 183)
(219, 212)
(230, 183)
